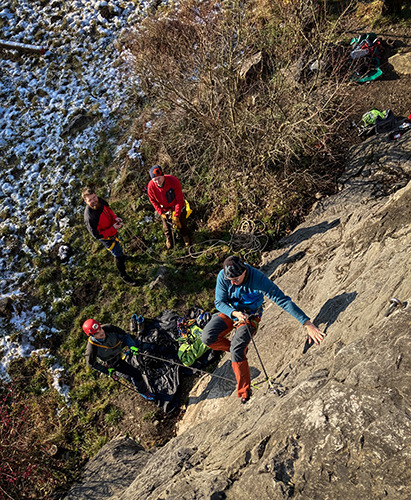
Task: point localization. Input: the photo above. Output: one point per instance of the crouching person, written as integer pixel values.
(104, 353)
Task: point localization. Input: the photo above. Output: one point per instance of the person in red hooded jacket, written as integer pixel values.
(166, 196)
(103, 224)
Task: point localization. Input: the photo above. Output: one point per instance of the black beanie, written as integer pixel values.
(233, 267)
(156, 171)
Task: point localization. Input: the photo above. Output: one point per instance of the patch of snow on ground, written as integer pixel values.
(41, 150)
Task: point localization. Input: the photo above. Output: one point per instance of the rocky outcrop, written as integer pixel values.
(401, 63)
(112, 470)
(342, 429)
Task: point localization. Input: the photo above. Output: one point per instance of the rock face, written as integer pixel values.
(111, 471)
(342, 430)
(401, 63)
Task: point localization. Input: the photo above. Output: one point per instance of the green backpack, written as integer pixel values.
(370, 117)
(191, 348)
(376, 122)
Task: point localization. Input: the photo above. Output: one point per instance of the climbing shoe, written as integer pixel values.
(186, 240)
(147, 395)
(246, 398)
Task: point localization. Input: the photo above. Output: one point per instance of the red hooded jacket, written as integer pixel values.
(170, 196)
(100, 222)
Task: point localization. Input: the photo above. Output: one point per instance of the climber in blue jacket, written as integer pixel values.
(239, 296)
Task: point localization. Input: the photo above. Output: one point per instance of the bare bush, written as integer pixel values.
(28, 467)
(235, 106)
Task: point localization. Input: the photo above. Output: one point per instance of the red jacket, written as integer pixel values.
(170, 196)
(100, 222)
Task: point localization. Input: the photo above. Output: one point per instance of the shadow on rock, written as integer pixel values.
(292, 241)
(216, 387)
(330, 311)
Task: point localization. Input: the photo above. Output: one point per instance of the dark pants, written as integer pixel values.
(122, 367)
(168, 224)
(113, 246)
(215, 336)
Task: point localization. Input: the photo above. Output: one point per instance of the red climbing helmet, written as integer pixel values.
(91, 326)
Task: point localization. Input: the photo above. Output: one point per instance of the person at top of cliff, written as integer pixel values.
(104, 353)
(103, 224)
(239, 297)
(166, 196)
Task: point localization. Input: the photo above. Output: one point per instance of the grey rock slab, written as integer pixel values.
(111, 471)
(401, 63)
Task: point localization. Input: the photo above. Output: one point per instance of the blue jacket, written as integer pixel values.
(249, 296)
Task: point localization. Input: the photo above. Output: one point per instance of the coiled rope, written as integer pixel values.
(249, 238)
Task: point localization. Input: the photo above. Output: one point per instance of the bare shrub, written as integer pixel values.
(28, 467)
(234, 106)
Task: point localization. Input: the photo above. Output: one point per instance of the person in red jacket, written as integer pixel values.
(166, 196)
(103, 224)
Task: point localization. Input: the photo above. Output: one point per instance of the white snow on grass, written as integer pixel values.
(41, 97)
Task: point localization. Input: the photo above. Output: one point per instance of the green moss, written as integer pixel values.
(112, 414)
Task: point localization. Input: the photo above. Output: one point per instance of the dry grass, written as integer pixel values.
(235, 112)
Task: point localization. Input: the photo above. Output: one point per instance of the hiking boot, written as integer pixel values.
(246, 398)
(140, 325)
(147, 395)
(137, 324)
(169, 242)
(128, 280)
(186, 240)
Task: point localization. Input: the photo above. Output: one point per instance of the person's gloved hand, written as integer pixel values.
(134, 350)
(111, 372)
(164, 216)
(177, 222)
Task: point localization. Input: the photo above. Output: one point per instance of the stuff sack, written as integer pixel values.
(191, 347)
(377, 122)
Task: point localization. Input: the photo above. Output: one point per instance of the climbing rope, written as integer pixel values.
(249, 238)
(180, 365)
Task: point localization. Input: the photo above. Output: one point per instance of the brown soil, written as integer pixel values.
(142, 420)
(391, 90)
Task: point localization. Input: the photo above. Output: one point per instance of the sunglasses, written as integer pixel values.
(234, 280)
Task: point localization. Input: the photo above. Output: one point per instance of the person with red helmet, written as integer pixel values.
(166, 196)
(103, 224)
(104, 353)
